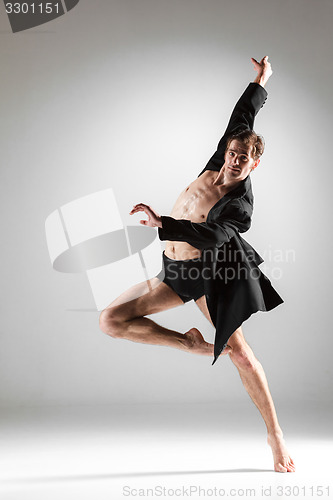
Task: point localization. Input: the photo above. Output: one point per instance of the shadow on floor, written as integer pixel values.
(92, 477)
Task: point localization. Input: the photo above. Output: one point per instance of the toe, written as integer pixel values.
(280, 468)
(290, 466)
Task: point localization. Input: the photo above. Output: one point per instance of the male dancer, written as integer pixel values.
(204, 225)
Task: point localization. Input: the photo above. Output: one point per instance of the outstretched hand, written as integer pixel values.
(263, 69)
(154, 220)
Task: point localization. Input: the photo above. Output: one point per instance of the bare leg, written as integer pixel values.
(124, 318)
(255, 382)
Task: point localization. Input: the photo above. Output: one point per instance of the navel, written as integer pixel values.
(202, 216)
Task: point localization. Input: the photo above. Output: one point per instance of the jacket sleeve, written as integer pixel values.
(242, 118)
(233, 219)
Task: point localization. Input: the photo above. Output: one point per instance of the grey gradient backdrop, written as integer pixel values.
(134, 95)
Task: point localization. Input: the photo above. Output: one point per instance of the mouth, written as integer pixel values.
(234, 169)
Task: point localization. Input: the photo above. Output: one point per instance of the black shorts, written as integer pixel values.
(184, 277)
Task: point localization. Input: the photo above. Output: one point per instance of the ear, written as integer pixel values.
(255, 164)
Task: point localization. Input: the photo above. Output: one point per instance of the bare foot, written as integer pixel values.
(282, 460)
(196, 344)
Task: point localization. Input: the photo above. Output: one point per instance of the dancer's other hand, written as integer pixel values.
(154, 220)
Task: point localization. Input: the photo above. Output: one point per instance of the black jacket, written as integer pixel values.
(235, 287)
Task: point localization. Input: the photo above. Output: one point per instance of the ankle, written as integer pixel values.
(275, 434)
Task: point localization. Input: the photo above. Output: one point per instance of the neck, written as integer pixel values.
(223, 182)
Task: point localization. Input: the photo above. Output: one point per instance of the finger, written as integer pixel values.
(140, 205)
(256, 65)
(144, 222)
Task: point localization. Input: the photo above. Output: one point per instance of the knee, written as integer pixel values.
(110, 322)
(244, 359)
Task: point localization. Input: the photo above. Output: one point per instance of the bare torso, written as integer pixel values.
(193, 204)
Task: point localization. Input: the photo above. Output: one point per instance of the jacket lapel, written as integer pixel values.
(243, 190)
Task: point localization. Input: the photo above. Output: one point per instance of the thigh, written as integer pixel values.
(237, 339)
(145, 298)
(202, 304)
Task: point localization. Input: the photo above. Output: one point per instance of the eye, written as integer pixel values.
(231, 153)
(244, 158)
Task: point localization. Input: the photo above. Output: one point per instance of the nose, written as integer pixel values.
(236, 161)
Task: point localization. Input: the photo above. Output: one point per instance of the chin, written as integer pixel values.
(235, 172)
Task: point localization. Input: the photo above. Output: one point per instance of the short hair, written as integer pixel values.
(249, 138)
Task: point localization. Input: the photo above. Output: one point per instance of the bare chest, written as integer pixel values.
(195, 202)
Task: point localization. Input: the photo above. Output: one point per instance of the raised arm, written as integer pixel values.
(244, 111)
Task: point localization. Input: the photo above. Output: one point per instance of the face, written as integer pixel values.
(238, 161)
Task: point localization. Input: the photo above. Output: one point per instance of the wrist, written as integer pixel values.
(159, 222)
(263, 77)
(261, 80)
